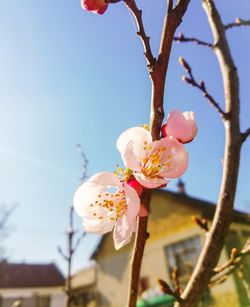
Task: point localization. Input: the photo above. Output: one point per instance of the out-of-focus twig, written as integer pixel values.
(202, 222)
(183, 39)
(176, 282)
(85, 163)
(238, 23)
(131, 4)
(166, 289)
(201, 86)
(72, 246)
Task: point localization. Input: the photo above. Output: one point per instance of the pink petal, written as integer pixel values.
(106, 179)
(136, 186)
(129, 158)
(134, 139)
(98, 226)
(149, 182)
(95, 6)
(86, 194)
(176, 156)
(181, 126)
(122, 232)
(133, 202)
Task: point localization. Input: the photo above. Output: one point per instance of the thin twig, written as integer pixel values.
(216, 236)
(238, 23)
(245, 135)
(202, 222)
(182, 39)
(201, 86)
(175, 278)
(131, 4)
(85, 163)
(166, 289)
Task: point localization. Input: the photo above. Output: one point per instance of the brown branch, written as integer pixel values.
(202, 222)
(216, 236)
(201, 86)
(158, 70)
(227, 268)
(238, 23)
(245, 135)
(182, 39)
(131, 4)
(166, 289)
(175, 278)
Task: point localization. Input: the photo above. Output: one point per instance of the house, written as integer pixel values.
(175, 241)
(33, 285)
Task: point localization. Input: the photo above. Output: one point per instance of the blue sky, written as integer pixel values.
(69, 76)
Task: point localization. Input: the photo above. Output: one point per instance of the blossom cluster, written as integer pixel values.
(111, 201)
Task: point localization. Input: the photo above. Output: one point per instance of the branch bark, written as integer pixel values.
(216, 236)
(238, 23)
(183, 39)
(157, 72)
(201, 86)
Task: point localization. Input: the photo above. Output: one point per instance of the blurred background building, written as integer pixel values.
(175, 242)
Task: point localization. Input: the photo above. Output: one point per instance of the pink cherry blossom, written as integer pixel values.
(136, 186)
(181, 126)
(103, 210)
(95, 6)
(152, 162)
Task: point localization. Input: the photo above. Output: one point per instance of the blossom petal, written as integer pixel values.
(181, 126)
(133, 202)
(86, 194)
(106, 179)
(177, 158)
(134, 139)
(98, 226)
(95, 6)
(122, 232)
(149, 182)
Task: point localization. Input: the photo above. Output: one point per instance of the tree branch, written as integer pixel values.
(238, 23)
(245, 135)
(157, 72)
(131, 4)
(182, 39)
(215, 237)
(201, 86)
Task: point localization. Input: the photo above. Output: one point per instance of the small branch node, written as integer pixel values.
(182, 39)
(202, 222)
(238, 23)
(166, 289)
(201, 86)
(245, 135)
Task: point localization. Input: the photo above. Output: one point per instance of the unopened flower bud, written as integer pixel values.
(184, 64)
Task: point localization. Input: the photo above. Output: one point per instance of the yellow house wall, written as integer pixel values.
(169, 222)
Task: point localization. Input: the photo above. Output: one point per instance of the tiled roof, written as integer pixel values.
(20, 275)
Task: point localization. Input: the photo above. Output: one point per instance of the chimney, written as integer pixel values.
(181, 186)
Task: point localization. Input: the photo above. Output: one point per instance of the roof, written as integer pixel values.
(207, 211)
(20, 275)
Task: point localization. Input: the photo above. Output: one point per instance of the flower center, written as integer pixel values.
(114, 205)
(153, 163)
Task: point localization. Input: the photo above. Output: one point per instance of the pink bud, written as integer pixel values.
(181, 126)
(136, 186)
(95, 6)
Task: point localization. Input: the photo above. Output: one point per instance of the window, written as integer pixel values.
(183, 255)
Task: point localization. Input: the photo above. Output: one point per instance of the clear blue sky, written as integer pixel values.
(68, 77)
